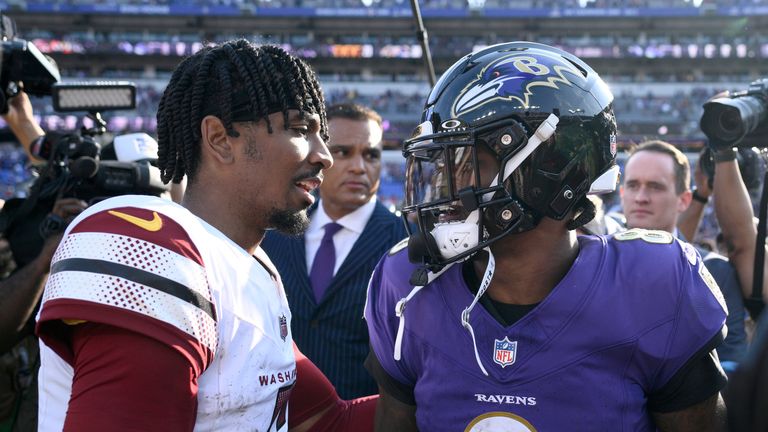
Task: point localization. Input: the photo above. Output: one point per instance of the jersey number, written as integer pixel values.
(650, 236)
(281, 404)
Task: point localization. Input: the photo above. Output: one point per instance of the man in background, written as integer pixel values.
(349, 231)
(655, 193)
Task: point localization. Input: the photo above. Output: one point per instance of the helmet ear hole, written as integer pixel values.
(507, 214)
(505, 140)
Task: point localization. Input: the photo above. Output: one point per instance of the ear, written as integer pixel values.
(214, 140)
(684, 201)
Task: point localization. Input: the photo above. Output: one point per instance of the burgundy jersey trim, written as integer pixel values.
(55, 333)
(148, 225)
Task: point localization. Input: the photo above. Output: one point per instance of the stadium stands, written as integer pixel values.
(663, 58)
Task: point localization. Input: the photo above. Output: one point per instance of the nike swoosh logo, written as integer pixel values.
(154, 224)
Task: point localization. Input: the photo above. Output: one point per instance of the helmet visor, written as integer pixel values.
(435, 175)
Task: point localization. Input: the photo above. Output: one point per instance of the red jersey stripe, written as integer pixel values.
(147, 225)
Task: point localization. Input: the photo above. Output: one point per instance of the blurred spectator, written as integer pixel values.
(427, 4)
(655, 193)
(13, 170)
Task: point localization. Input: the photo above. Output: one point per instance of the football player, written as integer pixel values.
(497, 317)
(167, 317)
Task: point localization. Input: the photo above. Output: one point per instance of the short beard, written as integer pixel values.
(289, 222)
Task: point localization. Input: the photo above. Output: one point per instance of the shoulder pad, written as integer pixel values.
(649, 236)
(402, 244)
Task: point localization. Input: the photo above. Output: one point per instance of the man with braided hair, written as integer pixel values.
(160, 316)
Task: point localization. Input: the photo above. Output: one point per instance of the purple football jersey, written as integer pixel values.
(627, 316)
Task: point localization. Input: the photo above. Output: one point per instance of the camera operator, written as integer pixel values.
(741, 120)
(746, 397)
(20, 295)
(20, 292)
(737, 120)
(734, 212)
(750, 169)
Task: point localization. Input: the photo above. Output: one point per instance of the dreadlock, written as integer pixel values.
(223, 80)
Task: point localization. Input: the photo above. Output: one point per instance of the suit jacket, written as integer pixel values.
(333, 333)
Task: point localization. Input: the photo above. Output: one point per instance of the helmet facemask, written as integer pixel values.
(457, 185)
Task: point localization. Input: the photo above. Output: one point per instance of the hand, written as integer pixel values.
(19, 110)
(66, 209)
(702, 182)
(21, 121)
(7, 264)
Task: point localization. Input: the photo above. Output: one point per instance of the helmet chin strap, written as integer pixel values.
(400, 308)
(453, 238)
(486, 282)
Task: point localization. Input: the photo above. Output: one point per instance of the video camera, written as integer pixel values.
(78, 166)
(739, 119)
(20, 60)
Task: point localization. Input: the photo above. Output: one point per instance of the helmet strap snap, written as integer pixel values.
(586, 212)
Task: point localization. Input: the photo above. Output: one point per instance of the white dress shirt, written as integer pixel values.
(352, 224)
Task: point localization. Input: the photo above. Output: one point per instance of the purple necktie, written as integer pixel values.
(325, 261)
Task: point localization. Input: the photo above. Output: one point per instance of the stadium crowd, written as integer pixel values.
(679, 111)
(640, 115)
(612, 45)
(427, 4)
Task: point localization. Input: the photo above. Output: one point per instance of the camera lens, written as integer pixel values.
(730, 121)
(726, 121)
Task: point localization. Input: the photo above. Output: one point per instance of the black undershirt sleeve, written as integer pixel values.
(699, 379)
(395, 388)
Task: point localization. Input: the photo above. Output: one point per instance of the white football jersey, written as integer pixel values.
(146, 263)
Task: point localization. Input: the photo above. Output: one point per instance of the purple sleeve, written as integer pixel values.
(699, 315)
(383, 323)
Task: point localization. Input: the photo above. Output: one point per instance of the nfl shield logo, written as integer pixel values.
(505, 352)
(283, 327)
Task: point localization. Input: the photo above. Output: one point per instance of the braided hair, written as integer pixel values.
(234, 81)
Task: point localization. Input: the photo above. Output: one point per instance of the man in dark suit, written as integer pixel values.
(326, 271)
